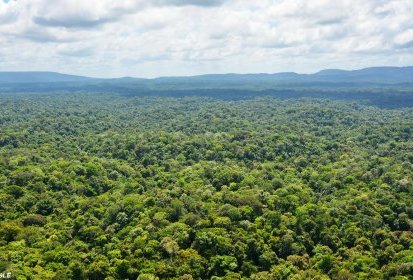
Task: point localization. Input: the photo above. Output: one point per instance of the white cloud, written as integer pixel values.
(405, 39)
(183, 37)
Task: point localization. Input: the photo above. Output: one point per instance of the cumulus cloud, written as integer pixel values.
(90, 14)
(183, 37)
(204, 3)
(77, 52)
(82, 14)
(74, 21)
(405, 39)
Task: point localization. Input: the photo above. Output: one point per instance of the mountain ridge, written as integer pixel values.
(371, 75)
(40, 77)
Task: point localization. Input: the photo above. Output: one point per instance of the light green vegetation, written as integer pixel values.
(110, 187)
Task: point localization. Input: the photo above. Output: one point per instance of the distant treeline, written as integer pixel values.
(380, 99)
(390, 97)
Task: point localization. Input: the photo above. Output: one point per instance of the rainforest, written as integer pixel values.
(117, 186)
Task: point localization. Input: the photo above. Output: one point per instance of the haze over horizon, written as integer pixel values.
(332, 71)
(192, 37)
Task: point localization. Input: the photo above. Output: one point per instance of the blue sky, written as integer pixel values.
(187, 37)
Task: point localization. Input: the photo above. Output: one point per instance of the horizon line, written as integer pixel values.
(200, 75)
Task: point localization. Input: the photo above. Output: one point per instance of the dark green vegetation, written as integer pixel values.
(385, 87)
(122, 187)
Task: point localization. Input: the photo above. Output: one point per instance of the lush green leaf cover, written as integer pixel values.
(114, 187)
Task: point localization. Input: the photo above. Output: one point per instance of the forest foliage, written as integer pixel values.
(104, 186)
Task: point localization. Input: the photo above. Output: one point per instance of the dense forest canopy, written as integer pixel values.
(108, 186)
(386, 87)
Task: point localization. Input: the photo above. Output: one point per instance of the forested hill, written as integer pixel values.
(375, 75)
(389, 87)
(39, 77)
